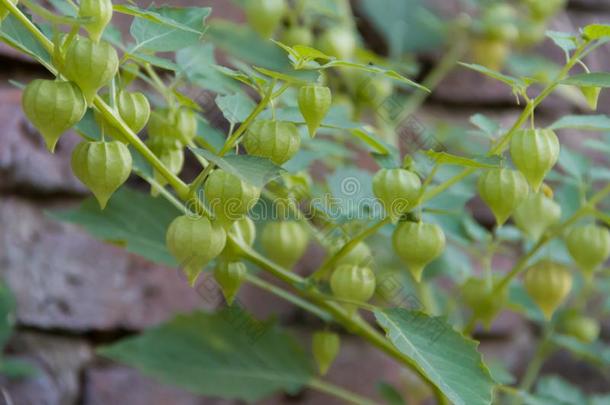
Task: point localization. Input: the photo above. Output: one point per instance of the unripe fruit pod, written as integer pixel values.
(534, 153)
(229, 197)
(265, 15)
(397, 190)
(536, 214)
(171, 157)
(531, 33)
(352, 283)
(102, 166)
(297, 184)
(503, 190)
(482, 300)
(98, 14)
(53, 107)
(338, 42)
(543, 9)
(194, 242)
(172, 127)
(589, 246)
(499, 22)
(129, 71)
(278, 141)
(244, 232)
(284, 242)
(581, 327)
(548, 284)
(297, 36)
(134, 110)
(91, 65)
(230, 276)
(314, 103)
(4, 11)
(491, 53)
(591, 95)
(325, 348)
(417, 244)
(360, 255)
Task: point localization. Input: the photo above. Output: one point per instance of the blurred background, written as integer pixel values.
(72, 293)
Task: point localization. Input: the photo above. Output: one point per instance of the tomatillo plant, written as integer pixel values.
(132, 102)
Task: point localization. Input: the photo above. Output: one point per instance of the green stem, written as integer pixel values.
(329, 263)
(433, 78)
(336, 391)
(352, 323)
(296, 300)
(535, 365)
(29, 25)
(501, 144)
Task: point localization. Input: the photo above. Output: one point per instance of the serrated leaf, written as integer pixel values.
(514, 82)
(584, 122)
(228, 354)
(252, 169)
(167, 29)
(235, 107)
(447, 358)
(449, 159)
(131, 218)
(595, 79)
(596, 31)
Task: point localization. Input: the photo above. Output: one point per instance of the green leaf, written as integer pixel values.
(449, 159)
(15, 34)
(406, 25)
(558, 391)
(166, 29)
(154, 60)
(7, 316)
(198, 63)
(228, 354)
(17, 368)
(392, 74)
(595, 79)
(596, 353)
(575, 164)
(596, 31)
(485, 124)
(514, 82)
(390, 394)
(252, 169)
(235, 107)
(450, 360)
(131, 219)
(371, 140)
(208, 136)
(243, 43)
(584, 122)
(565, 41)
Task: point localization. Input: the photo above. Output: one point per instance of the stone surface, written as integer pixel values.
(58, 361)
(65, 279)
(25, 163)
